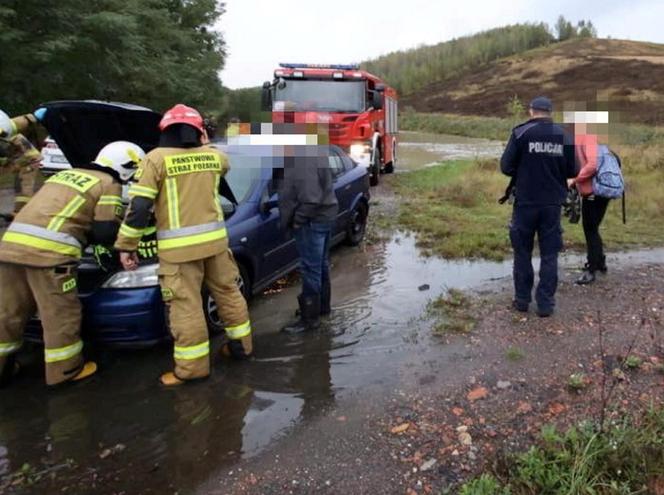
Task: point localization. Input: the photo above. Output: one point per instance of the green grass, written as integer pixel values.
(577, 381)
(514, 354)
(453, 313)
(457, 125)
(453, 208)
(627, 458)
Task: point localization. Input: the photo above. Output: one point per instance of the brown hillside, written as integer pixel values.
(630, 74)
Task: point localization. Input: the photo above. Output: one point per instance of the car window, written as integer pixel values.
(244, 174)
(336, 164)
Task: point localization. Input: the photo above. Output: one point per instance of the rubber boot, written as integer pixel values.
(10, 370)
(240, 350)
(326, 299)
(309, 315)
(89, 369)
(169, 379)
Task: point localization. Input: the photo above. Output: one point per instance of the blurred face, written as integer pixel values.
(580, 128)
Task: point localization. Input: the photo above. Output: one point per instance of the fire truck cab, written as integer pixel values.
(359, 109)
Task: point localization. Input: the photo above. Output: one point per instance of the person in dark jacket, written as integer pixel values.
(540, 158)
(308, 207)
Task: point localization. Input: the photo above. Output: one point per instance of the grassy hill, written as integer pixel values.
(627, 74)
(410, 70)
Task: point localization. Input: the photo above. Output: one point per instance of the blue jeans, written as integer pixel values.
(545, 222)
(313, 245)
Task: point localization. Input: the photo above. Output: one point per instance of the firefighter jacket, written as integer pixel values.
(73, 208)
(182, 186)
(29, 126)
(19, 153)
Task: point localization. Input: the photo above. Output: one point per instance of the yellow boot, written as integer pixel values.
(89, 369)
(170, 380)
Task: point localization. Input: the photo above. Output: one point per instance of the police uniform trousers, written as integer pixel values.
(181, 290)
(543, 221)
(51, 291)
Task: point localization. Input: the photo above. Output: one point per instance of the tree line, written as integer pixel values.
(148, 52)
(411, 70)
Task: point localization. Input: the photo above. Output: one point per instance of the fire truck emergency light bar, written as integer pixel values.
(321, 66)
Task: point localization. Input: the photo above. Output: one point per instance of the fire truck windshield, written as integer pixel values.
(315, 95)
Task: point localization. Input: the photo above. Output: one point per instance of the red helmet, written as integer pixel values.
(182, 114)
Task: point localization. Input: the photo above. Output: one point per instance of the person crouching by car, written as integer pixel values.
(39, 255)
(308, 206)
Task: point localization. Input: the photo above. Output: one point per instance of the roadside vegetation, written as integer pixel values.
(454, 211)
(410, 70)
(626, 458)
(452, 312)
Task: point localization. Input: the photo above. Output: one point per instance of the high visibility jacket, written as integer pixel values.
(29, 126)
(53, 227)
(183, 185)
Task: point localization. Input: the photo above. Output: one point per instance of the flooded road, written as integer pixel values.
(121, 432)
(420, 149)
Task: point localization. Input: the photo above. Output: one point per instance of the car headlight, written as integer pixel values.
(360, 152)
(143, 276)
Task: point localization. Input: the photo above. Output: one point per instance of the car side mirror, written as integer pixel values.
(266, 97)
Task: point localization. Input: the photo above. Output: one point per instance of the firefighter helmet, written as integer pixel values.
(121, 156)
(182, 114)
(6, 126)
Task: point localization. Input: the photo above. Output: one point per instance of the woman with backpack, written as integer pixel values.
(593, 207)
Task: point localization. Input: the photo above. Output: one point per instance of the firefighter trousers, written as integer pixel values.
(51, 291)
(181, 285)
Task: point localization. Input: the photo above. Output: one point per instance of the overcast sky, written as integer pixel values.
(261, 33)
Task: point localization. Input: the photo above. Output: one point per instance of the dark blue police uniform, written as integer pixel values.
(540, 156)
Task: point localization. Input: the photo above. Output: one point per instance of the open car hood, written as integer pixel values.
(81, 128)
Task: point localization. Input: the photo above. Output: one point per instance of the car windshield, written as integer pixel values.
(244, 173)
(312, 95)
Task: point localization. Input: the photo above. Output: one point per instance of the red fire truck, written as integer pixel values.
(359, 108)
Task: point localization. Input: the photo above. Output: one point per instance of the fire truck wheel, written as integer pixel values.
(375, 169)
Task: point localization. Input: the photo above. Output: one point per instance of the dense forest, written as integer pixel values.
(411, 70)
(150, 52)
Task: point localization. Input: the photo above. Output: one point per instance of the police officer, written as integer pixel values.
(180, 181)
(39, 254)
(540, 158)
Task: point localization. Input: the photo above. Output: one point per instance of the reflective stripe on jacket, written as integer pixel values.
(52, 228)
(184, 185)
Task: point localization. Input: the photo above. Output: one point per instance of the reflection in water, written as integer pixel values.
(127, 433)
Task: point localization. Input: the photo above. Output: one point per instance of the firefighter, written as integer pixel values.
(39, 254)
(21, 154)
(180, 180)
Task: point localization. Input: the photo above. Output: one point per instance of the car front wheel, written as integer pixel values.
(357, 226)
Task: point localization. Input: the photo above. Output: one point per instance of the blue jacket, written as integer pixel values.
(540, 158)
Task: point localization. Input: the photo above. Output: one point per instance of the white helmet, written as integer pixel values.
(121, 156)
(7, 128)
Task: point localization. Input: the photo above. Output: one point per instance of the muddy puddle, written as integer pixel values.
(124, 432)
(418, 149)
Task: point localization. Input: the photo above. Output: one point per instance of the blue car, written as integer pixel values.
(125, 308)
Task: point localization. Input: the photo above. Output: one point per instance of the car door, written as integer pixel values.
(342, 189)
(278, 245)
